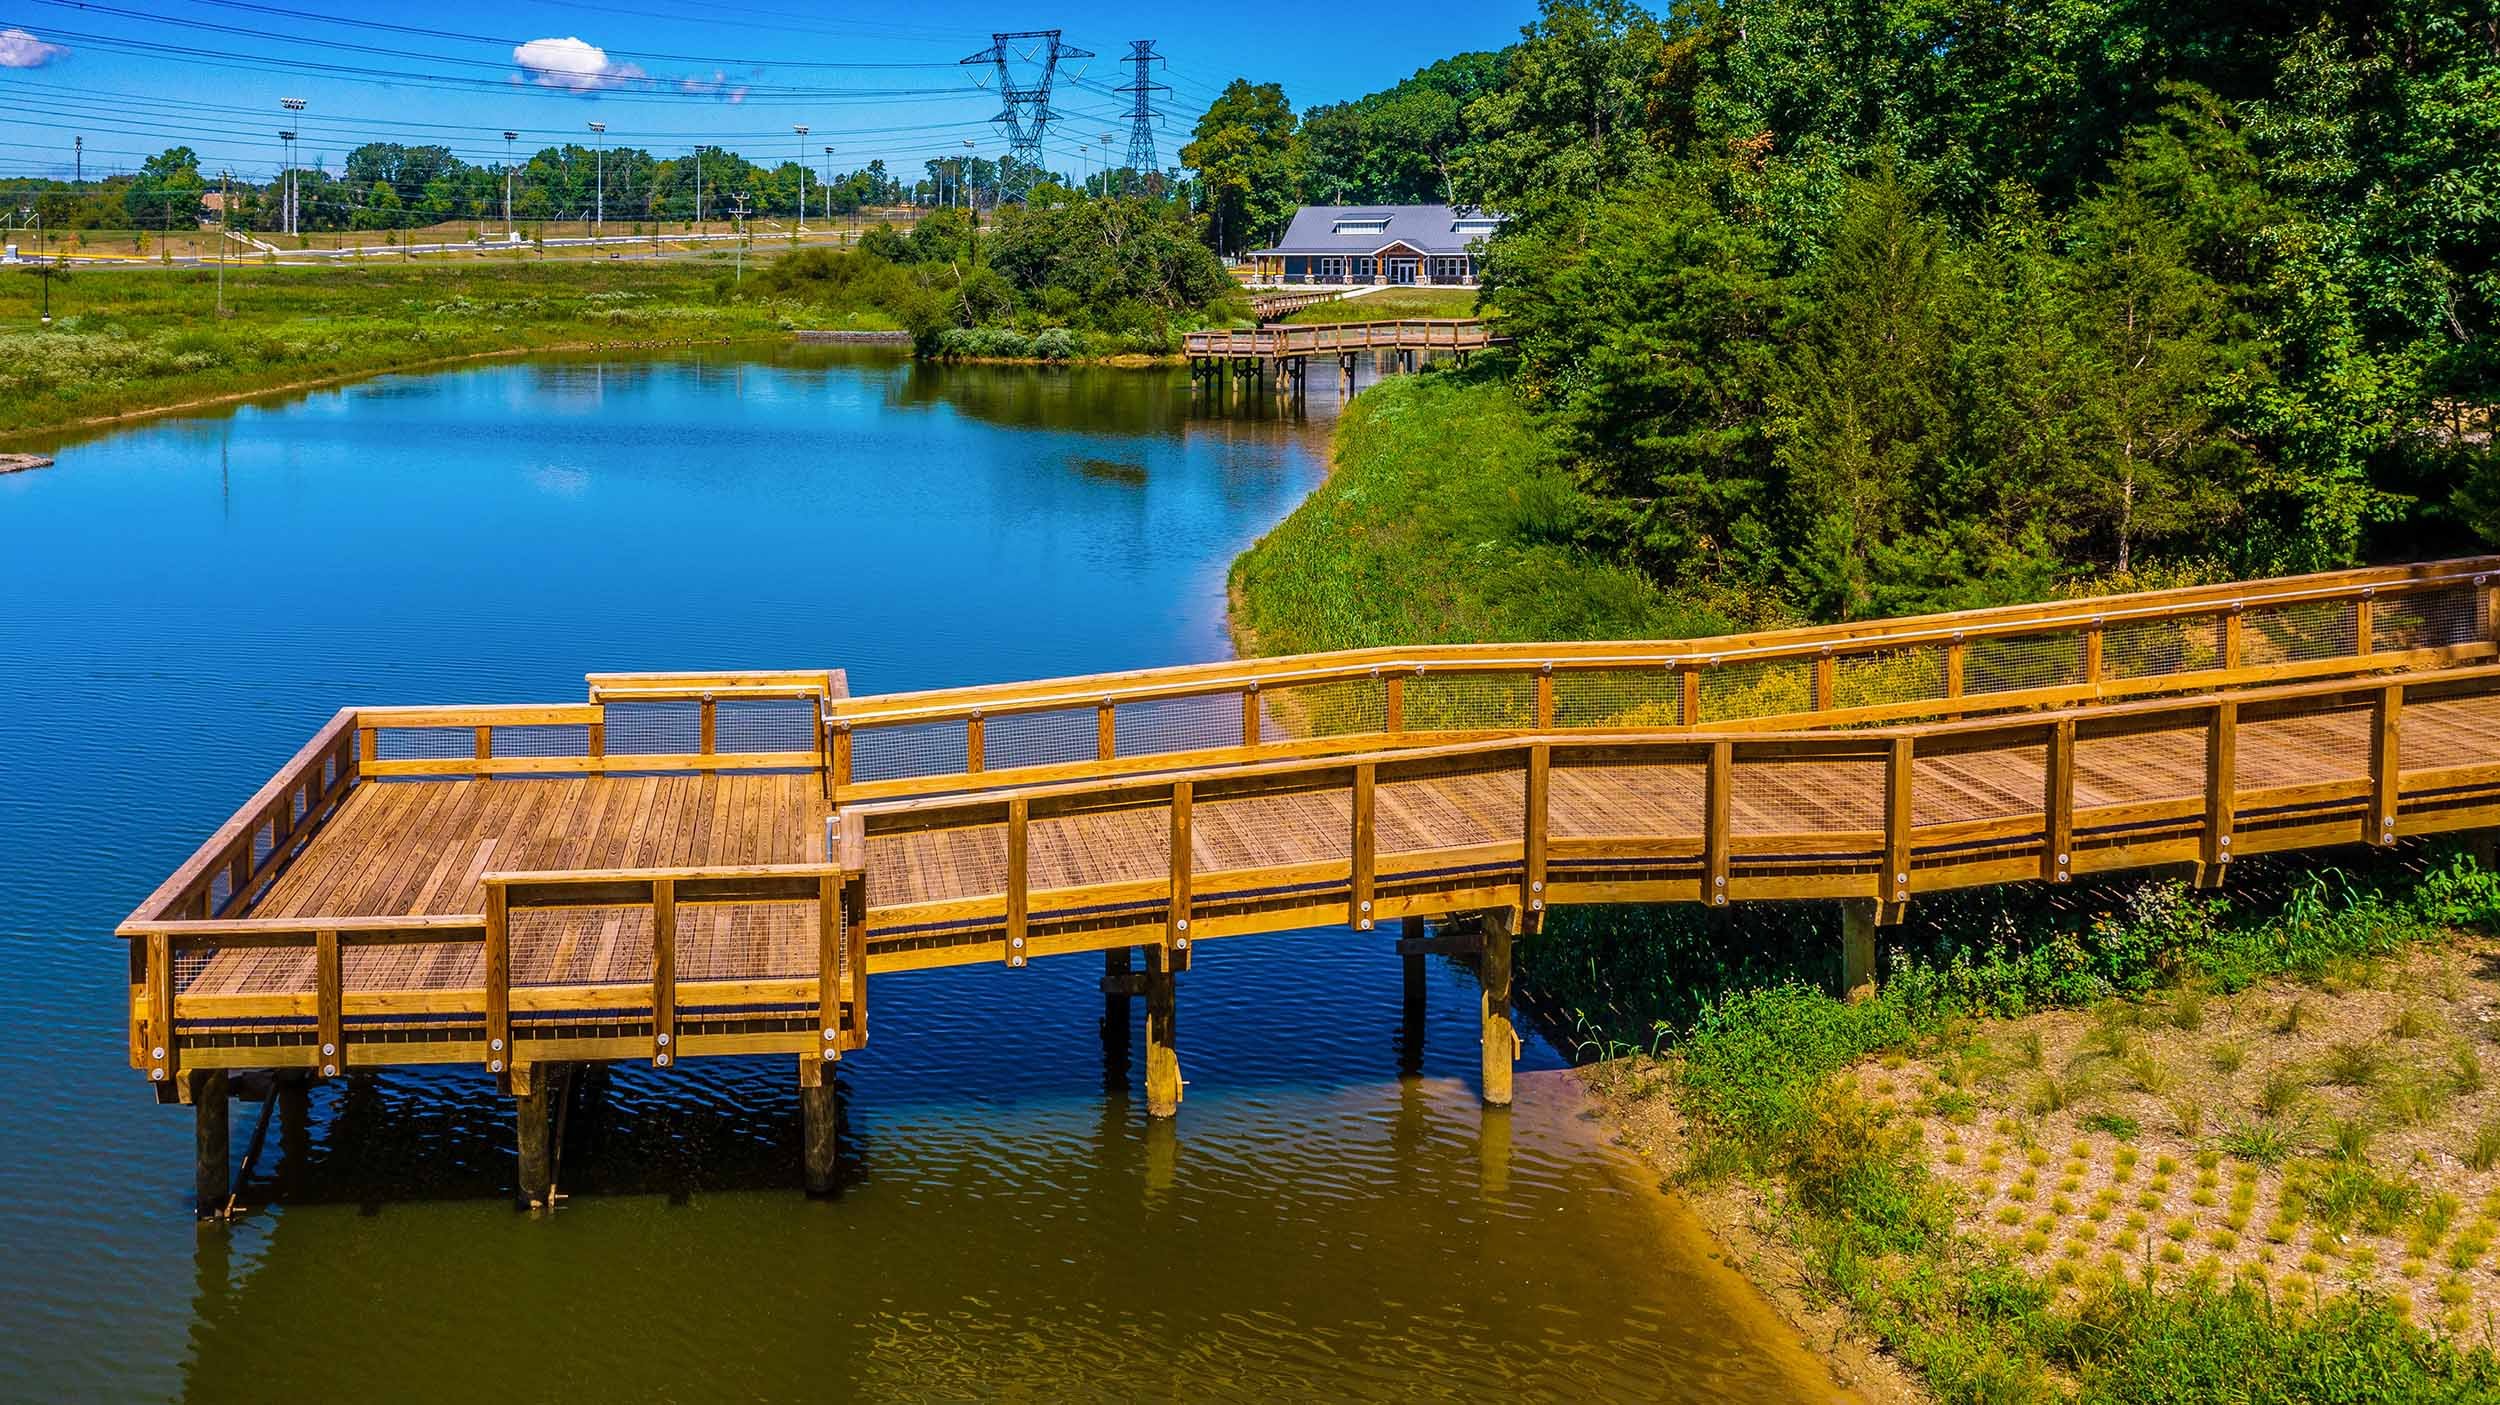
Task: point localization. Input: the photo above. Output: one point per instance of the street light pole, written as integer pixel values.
(508, 231)
(801, 129)
(599, 168)
(826, 185)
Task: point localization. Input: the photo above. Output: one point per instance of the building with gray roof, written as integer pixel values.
(1423, 245)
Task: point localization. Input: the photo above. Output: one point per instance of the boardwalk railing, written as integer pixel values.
(1321, 339)
(1978, 661)
(1883, 814)
(757, 959)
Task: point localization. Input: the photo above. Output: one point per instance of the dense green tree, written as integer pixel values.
(1402, 145)
(166, 192)
(1248, 156)
(1568, 122)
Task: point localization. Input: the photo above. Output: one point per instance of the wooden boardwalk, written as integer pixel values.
(1335, 338)
(687, 865)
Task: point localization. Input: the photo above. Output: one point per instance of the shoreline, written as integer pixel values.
(432, 363)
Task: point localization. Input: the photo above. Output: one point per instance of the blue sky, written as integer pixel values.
(135, 76)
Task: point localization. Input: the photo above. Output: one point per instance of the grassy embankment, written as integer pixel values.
(1393, 305)
(2142, 1144)
(130, 341)
(1444, 521)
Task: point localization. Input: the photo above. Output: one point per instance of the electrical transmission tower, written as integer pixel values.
(1024, 108)
(1141, 118)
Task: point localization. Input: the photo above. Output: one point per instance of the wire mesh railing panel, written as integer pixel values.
(1627, 698)
(1656, 800)
(2303, 748)
(2021, 662)
(1440, 812)
(1756, 688)
(566, 740)
(580, 945)
(1265, 831)
(2426, 619)
(746, 941)
(264, 839)
(1915, 674)
(1039, 739)
(763, 724)
(901, 752)
(423, 743)
(420, 966)
(1805, 795)
(2153, 648)
(1470, 702)
(2298, 633)
(1300, 711)
(2139, 761)
(1960, 782)
(1203, 722)
(670, 728)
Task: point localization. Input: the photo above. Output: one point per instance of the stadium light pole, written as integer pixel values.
(508, 139)
(599, 179)
(801, 129)
(294, 223)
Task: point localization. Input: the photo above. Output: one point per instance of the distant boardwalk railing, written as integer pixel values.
(1322, 339)
(698, 864)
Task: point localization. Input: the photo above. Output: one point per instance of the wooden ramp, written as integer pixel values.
(691, 864)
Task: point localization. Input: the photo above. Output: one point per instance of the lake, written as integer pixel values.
(1333, 1213)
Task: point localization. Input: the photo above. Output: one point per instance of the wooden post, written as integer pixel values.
(498, 979)
(2364, 623)
(1163, 1058)
(2222, 737)
(1857, 950)
(1106, 731)
(709, 724)
(1716, 809)
(1363, 842)
(1250, 715)
(1900, 771)
(2094, 660)
(820, 1115)
(2057, 805)
(212, 1182)
(1501, 1040)
(1956, 669)
(1545, 699)
(1533, 840)
(2233, 637)
(1824, 669)
(829, 966)
(976, 744)
(534, 1134)
(164, 1054)
(1393, 704)
(2386, 723)
(1688, 708)
(1019, 847)
(329, 1000)
(663, 971)
(1177, 938)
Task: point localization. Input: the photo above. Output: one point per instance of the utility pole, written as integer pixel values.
(826, 185)
(740, 215)
(599, 163)
(225, 233)
(801, 129)
(508, 230)
(78, 175)
(698, 192)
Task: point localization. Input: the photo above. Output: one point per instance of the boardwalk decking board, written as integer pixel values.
(1852, 756)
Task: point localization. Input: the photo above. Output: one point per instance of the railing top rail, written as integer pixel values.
(258, 926)
(2045, 617)
(593, 876)
(1871, 740)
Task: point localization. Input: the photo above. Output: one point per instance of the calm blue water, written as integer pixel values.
(182, 603)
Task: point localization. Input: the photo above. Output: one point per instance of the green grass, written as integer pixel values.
(126, 340)
(1758, 1074)
(1444, 521)
(1392, 305)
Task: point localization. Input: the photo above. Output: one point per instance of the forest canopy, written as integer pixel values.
(1851, 309)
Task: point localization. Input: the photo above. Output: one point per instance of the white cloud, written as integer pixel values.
(19, 49)
(573, 65)
(719, 85)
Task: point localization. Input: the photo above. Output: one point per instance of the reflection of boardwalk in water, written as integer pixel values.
(690, 865)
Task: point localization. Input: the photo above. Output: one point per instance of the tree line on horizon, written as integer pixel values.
(1843, 310)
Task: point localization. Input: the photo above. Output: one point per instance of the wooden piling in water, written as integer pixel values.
(212, 1182)
(820, 1116)
(534, 1135)
(1501, 1037)
(1163, 1059)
